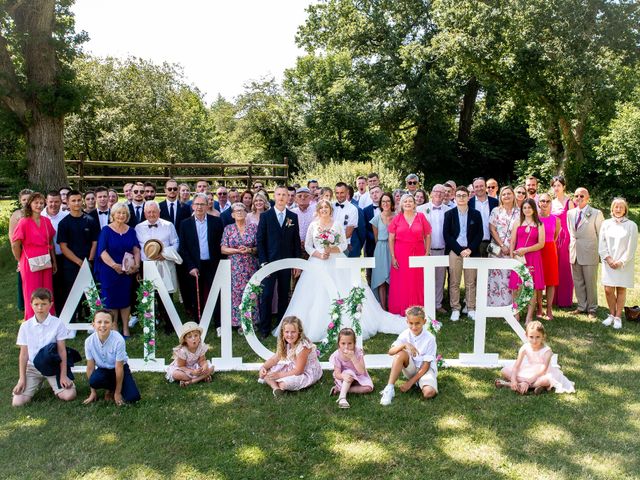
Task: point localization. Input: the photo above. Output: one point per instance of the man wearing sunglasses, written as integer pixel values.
(492, 188)
(222, 203)
(584, 223)
(136, 207)
(412, 183)
(171, 209)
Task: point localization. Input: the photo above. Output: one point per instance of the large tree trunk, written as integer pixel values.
(466, 112)
(45, 152)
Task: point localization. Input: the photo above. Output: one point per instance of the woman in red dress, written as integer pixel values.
(549, 253)
(409, 236)
(33, 237)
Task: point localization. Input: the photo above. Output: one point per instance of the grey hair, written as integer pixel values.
(151, 203)
(202, 196)
(411, 176)
(404, 197)
(117, 207)
(238, 205)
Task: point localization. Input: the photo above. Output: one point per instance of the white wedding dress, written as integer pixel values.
(311, 303)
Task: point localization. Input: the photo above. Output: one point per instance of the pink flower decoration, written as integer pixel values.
(340, 301)
(247, 314)
(148, 315)
(152, 342)
(514, 305)
(253, 296)
(145, 294)
(98, 303)
(331, 325)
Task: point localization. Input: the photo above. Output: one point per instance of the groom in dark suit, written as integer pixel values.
(278, 237)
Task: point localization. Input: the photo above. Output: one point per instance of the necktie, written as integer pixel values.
(153, 225)
(280, 218)
(437, 208)
(172, 212)
(138, 213)
(103, 213)
(579, 218)
(339, 205)
(375, 207)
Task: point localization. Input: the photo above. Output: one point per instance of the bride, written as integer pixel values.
(310, 302)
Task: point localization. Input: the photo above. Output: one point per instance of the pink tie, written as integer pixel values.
(579, 218)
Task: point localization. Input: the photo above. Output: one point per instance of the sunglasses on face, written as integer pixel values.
(222, 194)
(579, 196)
(137, 191)
(520, 193)
(491, 187)
(543, 201)
(412, 182)
(171, 189)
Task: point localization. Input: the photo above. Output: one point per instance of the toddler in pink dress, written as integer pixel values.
(349, 371)
(533, 369)
(295, 365)
(190, 364)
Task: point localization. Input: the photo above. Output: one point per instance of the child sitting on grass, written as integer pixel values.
(533, 370)
(107, 366)
(349, 371)
(190, 364)
(34, 334)
(414, 354)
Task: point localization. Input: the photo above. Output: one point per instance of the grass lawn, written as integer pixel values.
(233, 428)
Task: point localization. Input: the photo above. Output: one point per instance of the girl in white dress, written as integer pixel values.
(617, 249)
(310, 301)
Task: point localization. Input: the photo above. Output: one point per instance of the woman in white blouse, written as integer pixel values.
(617, 249)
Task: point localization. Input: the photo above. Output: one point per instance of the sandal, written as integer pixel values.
(334, 391)
(500, 383)
(278, 392)
(342, 403)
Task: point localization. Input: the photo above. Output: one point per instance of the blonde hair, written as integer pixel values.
(620, 200)
(406, 196)
(415, 311)
(116, 208)
(537, 327)
(281, 351)
(322, 202)
(262, 197)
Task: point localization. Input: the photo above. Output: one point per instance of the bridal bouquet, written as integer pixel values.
(328, 238)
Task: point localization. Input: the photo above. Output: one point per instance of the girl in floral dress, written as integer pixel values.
(240, 244)
(190, 364)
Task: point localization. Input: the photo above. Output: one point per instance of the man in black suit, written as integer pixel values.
(483, 203)
(462, 231)
(171, 209)
(200, 237)
(136, 207)
(278, 237)
(102, 212)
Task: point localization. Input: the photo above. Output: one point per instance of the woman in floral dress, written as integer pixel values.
(501, 220)
(240, 244)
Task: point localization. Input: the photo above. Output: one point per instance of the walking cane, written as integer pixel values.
(198, 295)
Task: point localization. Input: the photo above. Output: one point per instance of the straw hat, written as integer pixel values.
(153, 249)
(188, 328)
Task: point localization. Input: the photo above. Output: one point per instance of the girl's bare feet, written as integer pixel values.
(108, 396)
(502, 383)
(185, 383)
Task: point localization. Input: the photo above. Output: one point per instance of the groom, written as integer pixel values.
(278, 238)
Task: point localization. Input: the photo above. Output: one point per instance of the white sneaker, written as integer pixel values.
(219, 332)
(617, 323)
(387, 395)
(464, 309)
(471, 314)
(608, 321)
(455, 315)
(132, 321)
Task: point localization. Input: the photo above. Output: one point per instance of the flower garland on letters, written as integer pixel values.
(526, 292)
(434, 326)
(248, 305)
(92, 299)
(146, 315)
(353, 305)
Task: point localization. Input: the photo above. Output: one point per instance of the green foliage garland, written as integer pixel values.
(526, 292)
(146, 315)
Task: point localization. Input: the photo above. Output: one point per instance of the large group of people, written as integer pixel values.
(560, 239)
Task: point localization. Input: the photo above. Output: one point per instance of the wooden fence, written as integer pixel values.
(84, 173)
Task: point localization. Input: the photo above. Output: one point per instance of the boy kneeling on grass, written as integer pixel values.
(107, 366)
(34, 335)
(414, 354)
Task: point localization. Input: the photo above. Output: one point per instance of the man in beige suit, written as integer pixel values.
(584, 228)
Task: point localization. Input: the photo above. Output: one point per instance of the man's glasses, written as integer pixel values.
(491, 187)
(412, 182)
(199, 204)
(462, 195)
(137, 191)
(171, 189)
(222, 194)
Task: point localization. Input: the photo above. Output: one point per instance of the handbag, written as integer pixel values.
(632, 313)
(521, 258)
(41, 262)
(493, 248)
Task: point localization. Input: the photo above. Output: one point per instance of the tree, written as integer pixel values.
(37, 46)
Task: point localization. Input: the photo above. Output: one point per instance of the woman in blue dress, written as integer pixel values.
(116, 240)
(380, 274)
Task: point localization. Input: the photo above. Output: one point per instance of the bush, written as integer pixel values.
(328, 174)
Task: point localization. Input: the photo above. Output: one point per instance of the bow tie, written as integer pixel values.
(437, 208)
(375, 206)
(103, 213)
(339, 205)
(153, 225)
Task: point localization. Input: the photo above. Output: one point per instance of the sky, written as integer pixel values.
(221, 44)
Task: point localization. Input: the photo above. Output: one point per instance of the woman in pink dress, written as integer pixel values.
(560, 205)
(32, 237)
(549, 253)
(409, 236)
(527, 239)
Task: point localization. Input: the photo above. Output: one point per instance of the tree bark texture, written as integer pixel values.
(45, 152)
(466, 112)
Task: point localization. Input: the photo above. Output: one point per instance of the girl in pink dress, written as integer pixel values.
(409, 236)
(295, 365)
(32, 237)
(533, 369)
(349, 372)
(560, 205)
(527, 239)
(190, 364)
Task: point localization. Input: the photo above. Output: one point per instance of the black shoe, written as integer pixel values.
(264, 336)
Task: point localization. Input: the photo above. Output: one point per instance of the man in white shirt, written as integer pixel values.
(155, 228)
(365, 199)
(449, 197)
(412, 183)
(492, 188)
(361, 188)
(54, 212)
(305, 213)
(434, 211)
(344, 212)
(222, 203)
(531, 184)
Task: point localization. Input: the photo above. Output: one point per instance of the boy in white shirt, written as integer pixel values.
(414, 354)
(34, 334)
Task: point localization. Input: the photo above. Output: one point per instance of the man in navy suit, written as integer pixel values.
(359, 236)
(200, 237)
(136, 207)
(102, 212)
(462, 231)
(278, 237)
(483, 203)
(369, 212)
(171, 209)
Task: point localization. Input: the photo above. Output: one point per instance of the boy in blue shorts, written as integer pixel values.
(107, 366)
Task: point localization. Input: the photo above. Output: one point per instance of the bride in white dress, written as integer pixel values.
(310, 301)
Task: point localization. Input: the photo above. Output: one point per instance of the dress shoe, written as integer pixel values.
(576, 312)
(591, 316)
(440, 310)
